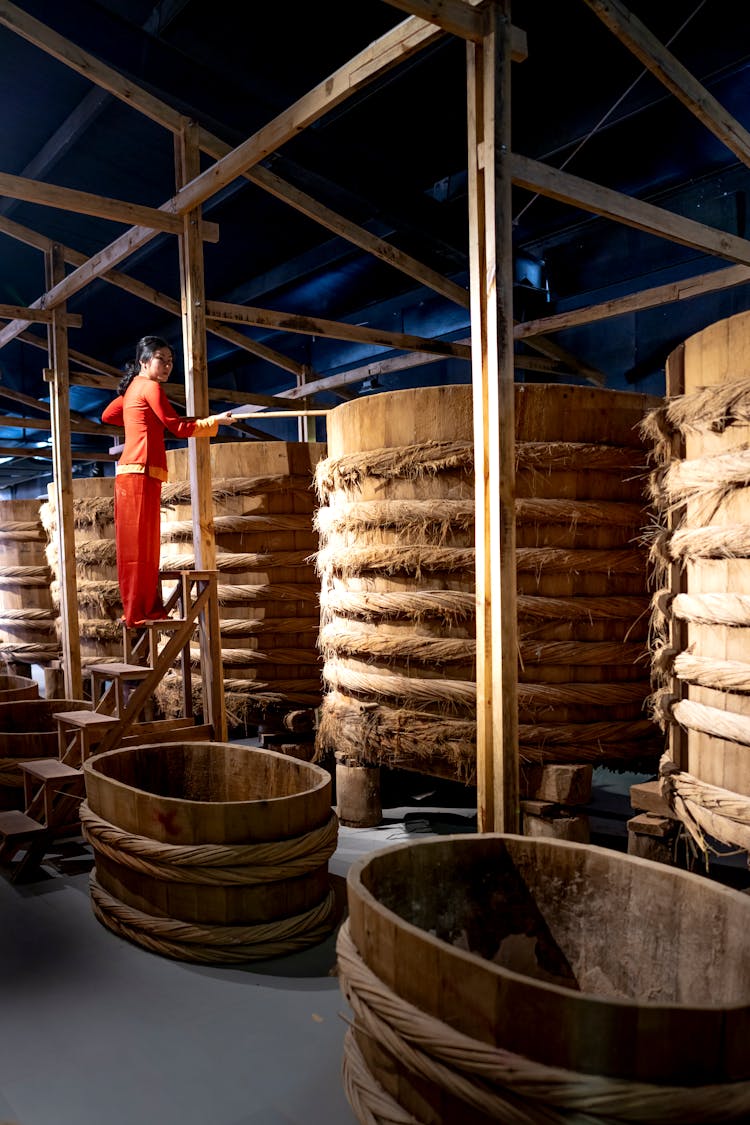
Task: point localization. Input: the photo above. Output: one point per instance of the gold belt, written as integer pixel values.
(144, 470)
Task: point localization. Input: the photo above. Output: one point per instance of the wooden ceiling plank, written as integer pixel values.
(674, 291)
(672, 74)
(555, 184)
(317, 326)
(466, 20)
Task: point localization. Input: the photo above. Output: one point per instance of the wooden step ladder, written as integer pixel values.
(54, 787)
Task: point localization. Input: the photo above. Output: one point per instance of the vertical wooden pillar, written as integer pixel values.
(491, 278)
(193, 299)
(62, 467)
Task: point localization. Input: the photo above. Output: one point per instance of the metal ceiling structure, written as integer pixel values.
(360, 218)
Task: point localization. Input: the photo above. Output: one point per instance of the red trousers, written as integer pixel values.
(138, 536)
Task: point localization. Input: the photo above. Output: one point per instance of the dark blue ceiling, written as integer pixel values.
(392, 159)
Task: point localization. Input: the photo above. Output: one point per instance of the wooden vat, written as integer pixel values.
(27, 613)
(397, 579)
(210, 851)
(263, 503)
(27, 730)
(702, 613)
(17, 687)
(99, 601)
(501, 957)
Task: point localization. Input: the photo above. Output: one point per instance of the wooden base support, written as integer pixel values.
(547, 818)
(565, 784)
(357, 793)
(652, 836)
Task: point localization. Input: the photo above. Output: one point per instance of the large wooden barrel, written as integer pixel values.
(263, 501)
(505, 978)
(99, 601)
(27, 730)
(210, 851)
(701, 649)
(397, 579)
(28, 615)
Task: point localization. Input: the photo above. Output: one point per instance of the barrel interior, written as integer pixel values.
(499, 935)
(26, 716)
(208, 772)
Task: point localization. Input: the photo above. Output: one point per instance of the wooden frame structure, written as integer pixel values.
(492, 43)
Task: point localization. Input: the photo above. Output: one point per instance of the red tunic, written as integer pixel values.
(144, 411)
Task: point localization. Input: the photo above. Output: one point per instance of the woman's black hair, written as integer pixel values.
(144, 351)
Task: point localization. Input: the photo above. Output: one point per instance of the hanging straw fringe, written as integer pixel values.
(407, 461)
(505, 1086)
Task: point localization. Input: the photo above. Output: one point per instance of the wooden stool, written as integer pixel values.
(46, 779)
(87, 727)
(18, 829)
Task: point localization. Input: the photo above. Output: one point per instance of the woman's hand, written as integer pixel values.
(225, 419)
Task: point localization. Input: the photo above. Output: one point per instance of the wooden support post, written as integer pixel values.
(488, 74)
(193, 299)
(62, 467)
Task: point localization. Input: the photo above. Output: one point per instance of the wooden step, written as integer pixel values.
(16, 826)
(51, 791)
(50, 769)
(85, 719)
(120, 671)
(17, 830)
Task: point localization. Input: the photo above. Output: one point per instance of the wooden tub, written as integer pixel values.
(210, 851)
(17, 687)
(632, 975)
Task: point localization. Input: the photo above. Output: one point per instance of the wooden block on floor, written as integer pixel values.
(562, 826)
(651, 824)
(646, 796)
(567, 784)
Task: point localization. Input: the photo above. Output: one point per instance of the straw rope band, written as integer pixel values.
(596, 653)
(228, 560)
(583, 734)
(713, 609)
(241, 627)
(394, 559)
(730, 542)
(25, 575)
(237, 595)
(212, 864)
(706, 809)
(412, 559)
(43, 616)
(707, 410)
(587, 513)
(27, 653)
(180, 492)
(407, 461)
(724, 675)
(417, 605)
(249, 657)
(711, 720)
(509, 1087)
(582, 608)
(239, 525)
(581, 456)
(22, 531)
(377, 645)
(438, 516)
(213, 944)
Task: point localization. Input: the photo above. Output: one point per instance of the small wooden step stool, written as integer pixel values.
(120, 675)
(51, 791)
(87, 727)
(18, 830)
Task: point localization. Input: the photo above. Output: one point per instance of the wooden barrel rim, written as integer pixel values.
(665, 1031)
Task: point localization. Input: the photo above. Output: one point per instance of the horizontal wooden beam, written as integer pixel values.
(317, 326)
(10, 421)
(83, 202)
(554, 184)
(673, 291)
(39, 316)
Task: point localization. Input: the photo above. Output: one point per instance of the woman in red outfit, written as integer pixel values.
(143, 409)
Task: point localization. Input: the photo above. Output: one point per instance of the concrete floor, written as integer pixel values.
(97, 1031)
